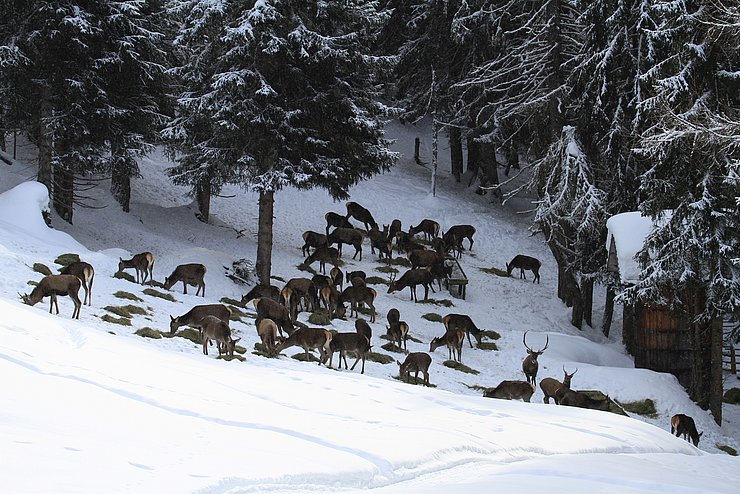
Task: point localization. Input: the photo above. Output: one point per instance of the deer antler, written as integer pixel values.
(524, 340)
(547, 342)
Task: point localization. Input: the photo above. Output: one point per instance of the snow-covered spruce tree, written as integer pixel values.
(288, 97)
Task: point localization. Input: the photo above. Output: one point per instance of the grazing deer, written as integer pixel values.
(415, 362)
(405, 243)
(683, 425)
(398, 332)
(357, 295)
(303, 290)
(337, 221)
(217, 330)
(262, 291)
(429, 228)
(85, 273)
(440, 271)
(361, 214)
(52, 286)
(143, 264)
(393, 316)
(267, 331)
(308, 339)
(349, 342)
(337, 277)
(363, 328)
(194, 316)
(461, 321)
(459, 232)
(323, 255)
(394, 228)
(422, 258)
(454, 340)
(377, 237)
(410, 279)
(270, 309)
(330, 297)
(530, 366)
(313, 239)
(571, 398)
(350, 236)
(189, 274)
(551, 386)
(511, 390)
(356, 274)
(524, 262)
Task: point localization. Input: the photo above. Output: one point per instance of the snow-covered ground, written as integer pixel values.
(92, 407)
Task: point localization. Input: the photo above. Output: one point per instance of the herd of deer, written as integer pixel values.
(277, 308)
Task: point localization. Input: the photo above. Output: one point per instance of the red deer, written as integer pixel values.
(357, 295)
(85, 273)
(361, 214)
(530, 366)
(398, 332)
(262, 291)
(524, 262)
(194, 316)
(312, 239)
(363, 328)
(550, 386)
(143, 264)
(53, 285)
(440, 271)
(429, 228)
(377, 237)
(683, 425)
(393, 316)
(405, 243)
(394, 228)
(320, 281)
(349, 342)
(337, 221)
(571, 398)
(303, 290)
(189, 274)
(356, 274)
(459, 232)
(350, 236)
(410, 279)
(217, 330)
(454, 340)
(269, 309)
(308, 339)
(330, 297)
(323, 255)
(422, 258)
(511, 390)
(415, 362)
(337, 277)
(461, 321)
(267, 331)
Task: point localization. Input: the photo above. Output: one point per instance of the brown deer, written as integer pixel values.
(267, 331)
(330, 297)
(406, 243)
(52, 286)
(337, 221)
(363, 328)
(312, 239)
(393, 316)
(361, 214)
(85, 273)
(454, 340)
(551, 386)
(308, 339)
(415, 362)
(461, 321)
(683, 425)
(524, 262)
(270, 309)
(194, 316)
(393, 228)
(189, 274)
(351, 275)
(262, 291)
(421, 258)
(143, 264)
(511, 390)
(377, 237)
(571, 398)
(217, 330)
(337, 277)
(411, 279)
(305, 291)
(323, 255)
(530, 366)
(350, 236)
(460, 232)
(429, 228)
(357, 295)
(398, 332)
(349, 342)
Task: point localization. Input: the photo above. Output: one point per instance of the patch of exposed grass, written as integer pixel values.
(727, 449)
(231, 301)
(490, 334)
(386, 269)
(126, 310)
(41, 268)
(229, 358)
(477, 387)
(320, 318)
(396, 261)
(190, 334)
(496, 271)
(460, 367)
(262, 351)
(380, 358)
(486, 345)
(432, 316)
(376, 280)
(732, 396)
(127, 296)
(391, 347)
(444, 302)
(364, 311)
(148, 332)
(302, 357)
(156, 283)
(156, 293)
(411, 380)
(123, 321)
(66, 259)
(122, 275)
(644, 407)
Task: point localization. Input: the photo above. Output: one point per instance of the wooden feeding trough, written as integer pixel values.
(456, 279)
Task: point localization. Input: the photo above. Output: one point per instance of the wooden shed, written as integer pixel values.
(662, 339)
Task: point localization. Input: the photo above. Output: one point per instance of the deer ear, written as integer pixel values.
(172, 318)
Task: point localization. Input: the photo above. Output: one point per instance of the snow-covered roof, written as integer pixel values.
(628, 232)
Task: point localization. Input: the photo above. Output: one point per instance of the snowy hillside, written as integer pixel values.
(92, 402)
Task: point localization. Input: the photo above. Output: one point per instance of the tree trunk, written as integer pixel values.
(417, 145)
(577, 300)
(587, 292)
(203, 196)
(456, 152)
(473, 155)
(511, 154)
(64, 190)
(45, 145)
(120, 180)
(264, 237)
(606, 324)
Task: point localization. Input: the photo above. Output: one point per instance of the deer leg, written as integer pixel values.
(184, 288)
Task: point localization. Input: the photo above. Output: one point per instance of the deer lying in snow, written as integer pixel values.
(189, 274)
(85, 273)
(142, 263)
(52, 286)
(511, 390)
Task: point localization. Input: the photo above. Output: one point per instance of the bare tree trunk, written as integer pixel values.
(456, 152)
(606, 324)
(587, 293)
(417, 145)
(203, 196)
(64, 189)
(264, 237)
(120, 181)
(45, 145)
(473, 155)
(512, 155)
(576, 318)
